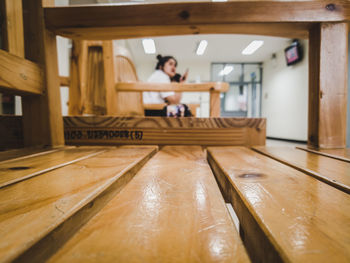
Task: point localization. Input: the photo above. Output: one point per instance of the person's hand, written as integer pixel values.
(184, 76)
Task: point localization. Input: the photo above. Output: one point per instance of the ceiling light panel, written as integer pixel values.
(201, 47)
(149, 46)
(252, 47)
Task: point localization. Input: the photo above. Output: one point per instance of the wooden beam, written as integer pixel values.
(191, 18)
(328, 65)
(109, 77)
(22, 75)
(42, 117)
(13, 40)
(106, 130)
(178, 87)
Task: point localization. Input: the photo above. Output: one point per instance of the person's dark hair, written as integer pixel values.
(176, 78)
(163, 60)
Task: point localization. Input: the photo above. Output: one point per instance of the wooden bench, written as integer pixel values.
(285, 215)
(54, 204)
(332, 171)
(172, 213)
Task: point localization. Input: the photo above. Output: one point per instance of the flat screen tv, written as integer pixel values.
(293, 53)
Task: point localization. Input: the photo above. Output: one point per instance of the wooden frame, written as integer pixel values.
(326, 24)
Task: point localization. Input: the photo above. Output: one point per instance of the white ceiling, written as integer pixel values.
(221, 48)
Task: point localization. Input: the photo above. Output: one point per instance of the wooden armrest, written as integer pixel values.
(178, 87)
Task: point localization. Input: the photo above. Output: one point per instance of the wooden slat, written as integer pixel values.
(109, 76)
(164, 131)
(5, 156)
(15, 171)
(177, 87)
(172, 213)
(339, 154)
(22, 75)
(328, 68)
(333, 172)
(42, 116)
(189, 17)
(285, 215)
(13, 41)
(54, 205)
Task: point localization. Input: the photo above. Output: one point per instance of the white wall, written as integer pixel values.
(285, 97)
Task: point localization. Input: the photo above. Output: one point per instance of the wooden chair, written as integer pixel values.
(92, 92)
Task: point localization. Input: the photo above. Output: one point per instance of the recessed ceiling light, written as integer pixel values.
(219, 0)
(252, 47)
(149, 46)
(227, 70)
(201, 47)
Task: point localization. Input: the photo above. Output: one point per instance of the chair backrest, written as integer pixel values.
(127, 103)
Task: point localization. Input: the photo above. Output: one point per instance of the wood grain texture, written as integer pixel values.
(109, 76)
(15, 171)
(188, 17)
(23, 153)
(177, 87)
(174, 213)
(285, 215)
(13, 38)
(163, 131)
(54, 205)
(289, 30)
(42, 116)
(22, 75)
(333, 172)
(328, 85)
(339, 154)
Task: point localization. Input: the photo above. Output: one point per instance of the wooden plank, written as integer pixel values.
(22, 75)
(215, 108)
(328, 170)
(42, 117)
(106, 130)
(177, 87)
(339, 154)
(172, 213)
(289, 30)
(15, 171)
(328, 85)
(23, 153)
(13, 41)
(189, 17)
(285, 215)
(54, 205)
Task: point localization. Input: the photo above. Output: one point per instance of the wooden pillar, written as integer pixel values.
(215, 107)
(108, 62)
(328, 85)
(42, 117)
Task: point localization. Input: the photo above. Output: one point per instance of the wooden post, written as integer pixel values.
(214, 104)
(328, 85)
(42, 117)
(108, 62)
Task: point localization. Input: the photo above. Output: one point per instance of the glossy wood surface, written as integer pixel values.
(23, 153)
(339, 154)
(32, 209)
(328, 170)
(105, 22)
(105, 130)
(14, 171)
(172, 211)
(302, 218)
